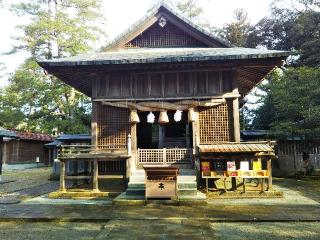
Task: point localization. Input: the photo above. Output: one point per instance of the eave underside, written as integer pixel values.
(248, 72)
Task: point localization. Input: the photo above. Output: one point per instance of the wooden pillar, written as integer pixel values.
(94, 123)
(75, 171)
(5, 152)
(161, 136)
(235, 106)
(95, 187)
(269, 168)
(187, 135)
(236, 119)
(62, 176)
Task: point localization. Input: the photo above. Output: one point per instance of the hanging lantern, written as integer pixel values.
(177, 116)
(163, 118)
(150, 118)
(191, 115)
(134, 117)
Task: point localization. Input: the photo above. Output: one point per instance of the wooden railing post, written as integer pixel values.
(164, 156)
(129, 145)
(269, 168)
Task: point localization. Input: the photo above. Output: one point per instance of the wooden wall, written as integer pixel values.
(163, 85)
(113, 127)
(167, 36)
(22, 151)
(216, 124)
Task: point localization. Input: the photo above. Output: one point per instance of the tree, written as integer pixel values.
(34, 100)
(236, 32)
(292, 105)
(190, 8)
(296, 98)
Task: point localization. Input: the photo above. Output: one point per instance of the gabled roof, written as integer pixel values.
(164, 10)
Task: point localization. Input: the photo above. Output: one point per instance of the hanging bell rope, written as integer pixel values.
(134, 117)
(192, 115)
(163, 118)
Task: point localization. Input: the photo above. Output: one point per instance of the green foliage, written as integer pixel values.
(292, 105)
(291, 28)
(58, 28)
(296, 98)
(190, 8)
(236, 32)
(34, 100)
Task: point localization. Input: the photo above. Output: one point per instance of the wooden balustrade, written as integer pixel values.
(164, 156)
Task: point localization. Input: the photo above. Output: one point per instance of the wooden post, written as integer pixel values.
(95, 187)
(129, 145)
(187, 136)
(236, 119)
(62, 176)
(269, 168)
(75, 171)
(235, 106)
(161, 136)
(94, 123)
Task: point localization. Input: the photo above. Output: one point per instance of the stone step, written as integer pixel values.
(136, 179)
(187, 192)
(187, 185)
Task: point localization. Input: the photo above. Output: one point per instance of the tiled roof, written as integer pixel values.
(165, 55)
(34, 136)
(243, 147)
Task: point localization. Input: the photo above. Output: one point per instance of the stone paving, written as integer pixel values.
(296, 216)
(151, 229)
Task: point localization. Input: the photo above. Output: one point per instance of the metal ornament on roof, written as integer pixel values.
(162, 22)
(150, 118)
(177, 116)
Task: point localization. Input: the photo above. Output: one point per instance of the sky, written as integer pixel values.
(120, 15)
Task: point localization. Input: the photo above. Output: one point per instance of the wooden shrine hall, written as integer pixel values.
(166, 93)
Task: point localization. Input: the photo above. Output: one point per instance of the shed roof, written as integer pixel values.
(243, 147)
(70, 137)
(7, 133)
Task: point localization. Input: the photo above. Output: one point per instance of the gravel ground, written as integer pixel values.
(189, 229)
(22, 179)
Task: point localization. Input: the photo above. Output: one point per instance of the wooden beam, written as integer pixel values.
(166, 106)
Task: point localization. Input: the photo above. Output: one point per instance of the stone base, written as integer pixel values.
(220, 194)
(81, 194)
(128, 200)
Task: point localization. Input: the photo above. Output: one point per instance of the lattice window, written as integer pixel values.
(113, 127)
(168, 36)
(215, 124)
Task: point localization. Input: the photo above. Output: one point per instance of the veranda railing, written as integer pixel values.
(164, 156)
